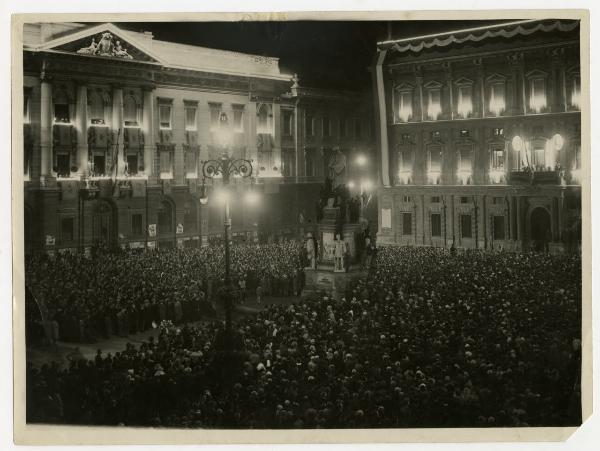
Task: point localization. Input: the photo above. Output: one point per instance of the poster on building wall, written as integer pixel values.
(179, 228)
(386, 218)
(151, 245)
(50, 240)
(151, 230)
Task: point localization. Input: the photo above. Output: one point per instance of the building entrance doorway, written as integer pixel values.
(541, 232)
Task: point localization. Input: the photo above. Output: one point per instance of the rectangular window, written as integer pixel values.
(576, 93)
(288, 117)
(537, 97)
(406, 223)
(67, 227)
(404, 105)
(538, 156)
(498, 200)
(497, 102)
(132, 164)
(61, 113)
(435, 199)
(497, 159)
(99, 165)
(435, 159)
(465, 226)
(405, 164)
(190, 118)
(434, 106)
(63, 165)
(407, 199)
(466, 154)
(310, 125)
(215, 114)
(238, 119)
(498, 227)
(577, 162)
(164, 114)
(165, 164)
(137, 228)
(26, 99)
(436, 224)
(190, 163)
(465, 102)
(326, 126)
(464, 200)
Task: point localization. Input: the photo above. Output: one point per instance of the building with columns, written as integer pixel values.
(479, 133)
(117, 124)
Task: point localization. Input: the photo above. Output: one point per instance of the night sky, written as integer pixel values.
(325, 54)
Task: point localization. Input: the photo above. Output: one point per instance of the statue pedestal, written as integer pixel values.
(325, 278)
(332, 284)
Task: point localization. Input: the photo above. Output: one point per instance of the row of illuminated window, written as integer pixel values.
(540, 155)
(465, 225)
(494, 99)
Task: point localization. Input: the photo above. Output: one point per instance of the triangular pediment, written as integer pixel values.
(463, 81)
(105, 40)
(433, 84)
(404, 87)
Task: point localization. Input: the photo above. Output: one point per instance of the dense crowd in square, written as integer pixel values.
(430, 337)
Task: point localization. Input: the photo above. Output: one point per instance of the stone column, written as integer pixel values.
(46, 120)
(519, 224)
(117, 126)
(277, 136)
(82, 125)
(148, 129)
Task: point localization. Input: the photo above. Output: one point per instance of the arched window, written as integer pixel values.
(130, 118)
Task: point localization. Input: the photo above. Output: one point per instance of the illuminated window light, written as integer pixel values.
(434, 176)
(496, 175)
(497, 103)
(576, 94)
(465, 105)
(464, 176)
(405, 106)
(404, 176)
(434, 108)
(537, 98)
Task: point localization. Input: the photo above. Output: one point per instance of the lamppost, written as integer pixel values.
(225, 167)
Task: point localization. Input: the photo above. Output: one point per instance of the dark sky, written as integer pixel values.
(327, 54)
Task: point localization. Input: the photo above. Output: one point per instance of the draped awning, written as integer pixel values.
(506, 30)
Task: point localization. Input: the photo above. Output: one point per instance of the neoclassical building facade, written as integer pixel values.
(116, 125)
(479, 133)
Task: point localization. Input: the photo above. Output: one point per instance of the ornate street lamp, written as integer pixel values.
(225, 167)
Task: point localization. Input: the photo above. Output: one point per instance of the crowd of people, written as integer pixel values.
(120, 293)
(428, 338)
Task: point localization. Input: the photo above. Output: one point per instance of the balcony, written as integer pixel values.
(535, 178)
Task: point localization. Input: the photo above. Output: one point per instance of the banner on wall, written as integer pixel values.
(151, 230)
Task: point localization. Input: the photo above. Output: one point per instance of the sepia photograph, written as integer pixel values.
(260, 225)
